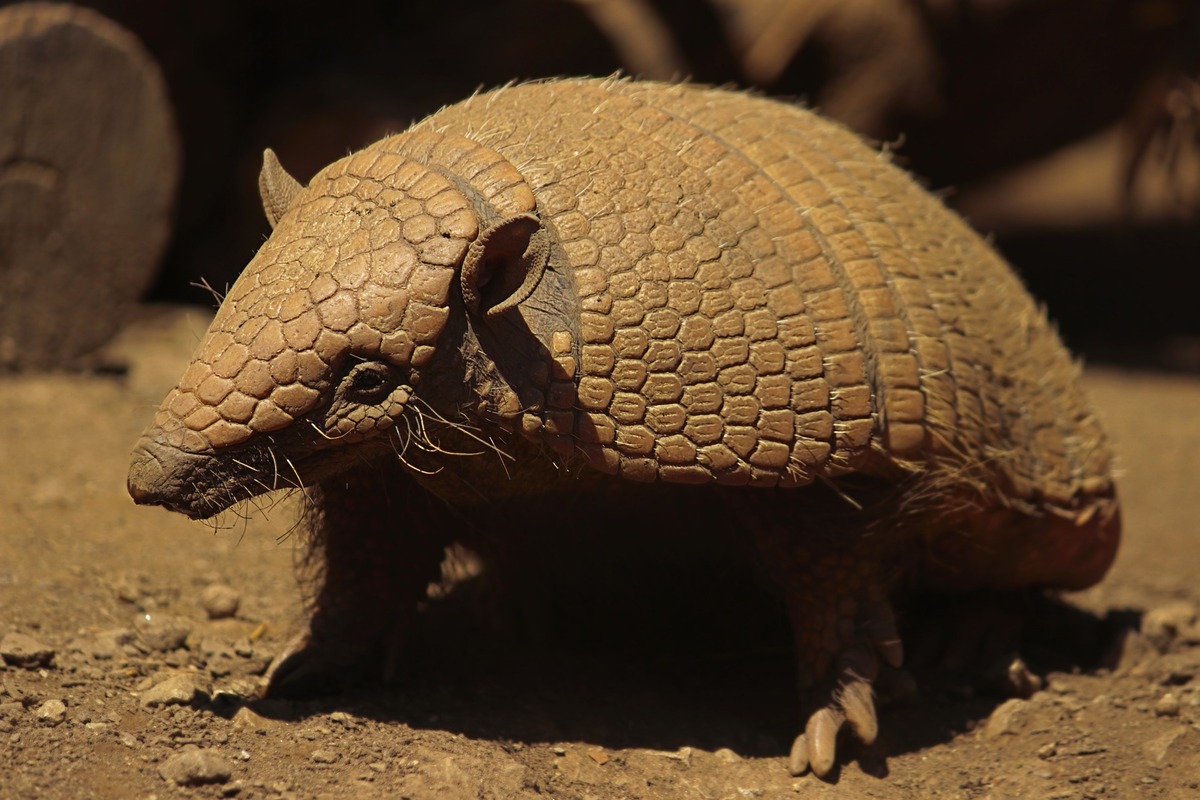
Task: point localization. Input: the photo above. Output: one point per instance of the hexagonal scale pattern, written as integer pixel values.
(364, 258)
(764, 300)
(761, 299)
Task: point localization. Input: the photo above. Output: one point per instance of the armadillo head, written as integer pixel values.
(319, 346)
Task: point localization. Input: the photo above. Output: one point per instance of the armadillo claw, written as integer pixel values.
(305, 669)
(848, 701)
(298, 671)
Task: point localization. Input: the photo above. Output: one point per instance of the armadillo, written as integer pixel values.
(573, 305)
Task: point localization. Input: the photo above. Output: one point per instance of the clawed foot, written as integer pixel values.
(303, 669)
(845, 699)
(312, 666)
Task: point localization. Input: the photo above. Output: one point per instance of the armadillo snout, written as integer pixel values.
(145, 479)
(160, 475)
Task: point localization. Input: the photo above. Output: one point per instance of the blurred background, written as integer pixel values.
(1068, 130)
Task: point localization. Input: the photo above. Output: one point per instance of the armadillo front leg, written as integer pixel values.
(378, 548)
(835, 586)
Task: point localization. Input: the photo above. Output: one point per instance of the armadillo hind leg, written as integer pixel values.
(835, 586)
(378, 551)
(844, 635)
(971, 636)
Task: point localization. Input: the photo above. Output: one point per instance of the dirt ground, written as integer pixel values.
(125, 685)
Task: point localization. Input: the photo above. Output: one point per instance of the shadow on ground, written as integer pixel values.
(701, 679)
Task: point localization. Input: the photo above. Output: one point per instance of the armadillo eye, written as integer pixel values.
(369, 380)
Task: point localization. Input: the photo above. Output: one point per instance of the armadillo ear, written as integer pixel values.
(504, 265)
(277, 187)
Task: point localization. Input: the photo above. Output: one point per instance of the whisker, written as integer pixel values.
(204, 284)
(503, 466)
(414, 467)
(295, 526)
(434, 448)
(400, 453)
(274, 468)
(299, 482)
(465, 429)
(245, 528)
(326, 435)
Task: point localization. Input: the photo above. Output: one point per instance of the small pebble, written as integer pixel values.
(52, 712)
(1167, 705)
(127, 590)
(1163, 624)
(1006, 719)
(727, 755)
(196, 768)
(324, 756)
(162, 632)
(20, 650)
(111, 643)
(1019, 681)
(219, 601)
(558, 751)
(175, 690)
(599, 756)
(215, 648)
(245, 718)
(683, 755)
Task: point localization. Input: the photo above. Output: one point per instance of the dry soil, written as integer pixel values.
(120, 685)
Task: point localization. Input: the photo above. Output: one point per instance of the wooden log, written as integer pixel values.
(89, 171)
